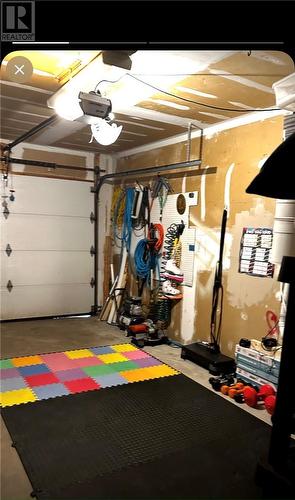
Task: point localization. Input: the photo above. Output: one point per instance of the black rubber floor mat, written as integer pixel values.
(164, 438)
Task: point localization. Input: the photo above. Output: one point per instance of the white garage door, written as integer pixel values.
(49, 231)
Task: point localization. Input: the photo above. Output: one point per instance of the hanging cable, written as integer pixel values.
(157, 228)
(160, 189)
(117, 213)
(142, 259)
(198, 102)
(170, 94)
(107, 81)
(127, 196)
(127, 221)
(146, 254)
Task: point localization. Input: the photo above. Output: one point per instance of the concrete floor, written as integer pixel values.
(43, 336)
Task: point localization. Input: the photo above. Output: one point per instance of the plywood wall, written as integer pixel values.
(238, 153)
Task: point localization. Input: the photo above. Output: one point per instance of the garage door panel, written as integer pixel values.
(23, 268)
(36, 301)
(51, 196)
(50, 234)
(39, 232)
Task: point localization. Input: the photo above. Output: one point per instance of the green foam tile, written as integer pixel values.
(6, 363)
(124, 365)
(94, 371)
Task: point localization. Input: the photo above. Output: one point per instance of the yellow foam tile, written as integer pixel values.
(79, 353)
(112, 358)
(124, 348)
(11, 398)
(27, 361)
(148, 373)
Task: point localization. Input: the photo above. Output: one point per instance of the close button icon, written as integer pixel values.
(19, 69)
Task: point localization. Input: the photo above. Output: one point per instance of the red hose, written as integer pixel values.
(160, 230)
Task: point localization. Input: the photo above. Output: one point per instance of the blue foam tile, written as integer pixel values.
(33, 370)
(50, 391)
(110, 380)
(13, 384)
(102, 350)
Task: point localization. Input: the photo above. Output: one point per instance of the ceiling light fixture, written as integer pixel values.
(76, 100)
(91, 108)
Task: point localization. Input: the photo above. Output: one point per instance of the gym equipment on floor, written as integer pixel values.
(207, 354)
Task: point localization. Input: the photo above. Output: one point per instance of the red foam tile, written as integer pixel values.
(41, 379)
(91, 361)
(57, 361)
(81, 385)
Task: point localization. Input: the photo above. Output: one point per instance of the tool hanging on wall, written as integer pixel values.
(141, 209)
(170, 270)
(134, 221)
(137, 201)
(146, 255)
(117, 211)
(165, 294)
(11, 189)
(4, 195)
(160, 189)
(125, 238)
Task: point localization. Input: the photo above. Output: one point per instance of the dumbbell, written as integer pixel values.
(235, 393)
(252, 397)
(270, 403)
(218, 382)
(239, 397)
(233, 387)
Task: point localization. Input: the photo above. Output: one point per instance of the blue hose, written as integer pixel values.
(142, 259)
(127, 221)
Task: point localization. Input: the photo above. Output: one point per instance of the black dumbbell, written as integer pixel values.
(217, 382)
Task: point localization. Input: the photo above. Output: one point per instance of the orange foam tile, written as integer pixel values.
(148, 373)
(27, 361)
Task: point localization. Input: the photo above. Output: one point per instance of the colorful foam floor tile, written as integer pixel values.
(26, 361)
(28, 379)
(17, 397)
(124, 348)
(112, 358)
(79, 353)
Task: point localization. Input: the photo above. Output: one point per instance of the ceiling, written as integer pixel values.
(235, 81)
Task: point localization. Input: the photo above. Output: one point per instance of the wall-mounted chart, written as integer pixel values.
(255, 250)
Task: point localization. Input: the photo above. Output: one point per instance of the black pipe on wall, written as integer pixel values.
(45, 164)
